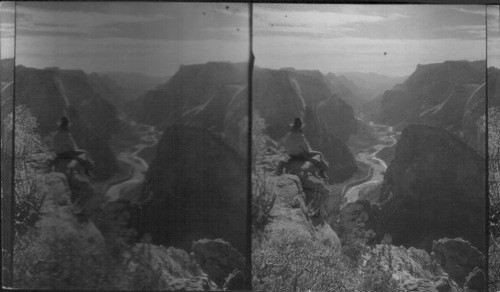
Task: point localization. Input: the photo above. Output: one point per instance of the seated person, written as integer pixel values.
(65, 147)
(297, 147)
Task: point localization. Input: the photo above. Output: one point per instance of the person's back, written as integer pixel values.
(295, 143)
(297, 147)
(63, 142)
(65, 147)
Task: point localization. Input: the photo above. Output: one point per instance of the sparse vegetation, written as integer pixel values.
(258, 138)
(291, 263)
(28, 199)
(354, 236)
(55, 260)
(263, 199)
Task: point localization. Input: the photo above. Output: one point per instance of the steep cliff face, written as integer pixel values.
(341, 160)
(192, 86)
(338, 117)
(473, 128)
(434, 187)
(449, 95)
(281, 95)
(296, 226)
(276, 99)
(195, 188)
(52, 93)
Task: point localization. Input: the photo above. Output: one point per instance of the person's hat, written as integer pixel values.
(297, 123)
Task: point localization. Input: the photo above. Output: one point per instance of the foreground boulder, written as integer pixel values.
(58, 219)
(458, 258)
(223, 263)
(175, 270)
(195, 188)
(475, 281)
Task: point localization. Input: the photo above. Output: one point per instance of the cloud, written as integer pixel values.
(180, 21)
(478, 31)
(363, 54)
(152, 57)
(269, 20)
(470, 10)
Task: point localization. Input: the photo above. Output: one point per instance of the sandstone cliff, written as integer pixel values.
(449, 95)
(433, 188)
(192, 86)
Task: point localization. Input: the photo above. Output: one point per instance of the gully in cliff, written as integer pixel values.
(297, 147)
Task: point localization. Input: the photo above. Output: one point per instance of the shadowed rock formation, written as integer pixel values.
(458, 258)
(449, 95)
(433, 188)
(221, 262)
(195, 188)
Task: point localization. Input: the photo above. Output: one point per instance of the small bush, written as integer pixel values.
(263, 200)
(258, 138)
(376, 277)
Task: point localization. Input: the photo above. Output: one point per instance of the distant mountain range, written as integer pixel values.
(130, 85)
(362, 87)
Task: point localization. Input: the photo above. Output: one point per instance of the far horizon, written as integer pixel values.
(387, 39)
(156, 39)
(295, 68)
(153, 39)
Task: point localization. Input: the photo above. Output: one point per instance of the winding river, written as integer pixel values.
(386, 137)
(148, 138)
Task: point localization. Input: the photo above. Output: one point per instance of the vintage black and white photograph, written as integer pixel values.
(369, 133)
(131, 124)
(192, 146)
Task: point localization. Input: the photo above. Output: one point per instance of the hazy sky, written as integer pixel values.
(342, 38)
(151, 38)
(155, 38)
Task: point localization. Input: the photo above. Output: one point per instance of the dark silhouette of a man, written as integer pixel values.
(65, 147)
(297, 147)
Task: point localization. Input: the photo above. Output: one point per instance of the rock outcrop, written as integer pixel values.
(458, 258)
(433, 188)
(299, 207)
(438, 284)
(58, 220)
(449, 95)
(338, 117)
(195, 188)
(175, 269)
(190, 89)
(475, 281)
(223, 263)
